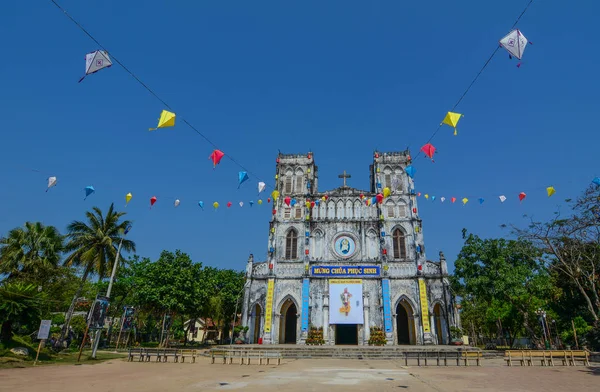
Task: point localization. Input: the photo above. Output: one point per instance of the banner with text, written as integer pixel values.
(349, 271)
(424, 305)
(269, 305)
(345, 301)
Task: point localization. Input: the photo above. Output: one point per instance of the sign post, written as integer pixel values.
(43, 334)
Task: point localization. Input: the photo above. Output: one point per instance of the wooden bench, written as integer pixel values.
(214, 354)
(149, 352)
(188, 353)
(579, 355)
(170, 352)
(245, 356)
(248, 355)
(472, 355)
(546, 357)
(162, 355)
(136, 352)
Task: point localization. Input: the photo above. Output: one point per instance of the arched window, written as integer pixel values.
(399, 244)
(299, 181)
(291, 245)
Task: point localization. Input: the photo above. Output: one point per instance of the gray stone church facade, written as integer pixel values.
(346, 260)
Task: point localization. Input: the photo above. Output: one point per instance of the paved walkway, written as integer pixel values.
(329, 375)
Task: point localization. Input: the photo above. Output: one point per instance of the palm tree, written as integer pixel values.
(30, 251)
(93, 246)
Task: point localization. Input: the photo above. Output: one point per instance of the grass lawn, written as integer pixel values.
(69, 358)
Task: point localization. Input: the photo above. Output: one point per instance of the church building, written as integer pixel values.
(347, 260)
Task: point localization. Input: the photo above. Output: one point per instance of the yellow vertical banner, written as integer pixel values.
(269, 305)
(424, 305)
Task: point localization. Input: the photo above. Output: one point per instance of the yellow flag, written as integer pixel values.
(167, 119)
(386, 192)
(275, 195)
(465, 201)
(426, 196)
(550, 191)
(452, 120)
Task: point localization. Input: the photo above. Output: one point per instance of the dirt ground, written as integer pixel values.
(297, 375)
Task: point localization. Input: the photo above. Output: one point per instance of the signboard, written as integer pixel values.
(127, 318)
(345, 271)
(387, 309)
(424, 305)
(345, 301)
(269, 305)
(44, 330)
(304, 313)
(98, 313)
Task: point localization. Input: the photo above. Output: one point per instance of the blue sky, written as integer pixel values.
(341, 78)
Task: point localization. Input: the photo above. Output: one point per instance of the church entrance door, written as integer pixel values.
(346, 334)
(437, 315)
(289, 321)
(257, 317)
(405, 323)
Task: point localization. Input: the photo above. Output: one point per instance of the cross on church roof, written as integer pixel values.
(344, 176)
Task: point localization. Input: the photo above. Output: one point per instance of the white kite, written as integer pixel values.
(95, 61)
(51, 182)
(177, 202)
(502, 198)
(514, 43)
(261, 186)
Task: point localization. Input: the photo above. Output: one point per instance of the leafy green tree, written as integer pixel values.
(172, 285)
(507, 279)
(30, 252)
(20, 303)
(571, 245)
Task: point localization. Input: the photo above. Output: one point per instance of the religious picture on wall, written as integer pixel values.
(345, 296)
(344, 246)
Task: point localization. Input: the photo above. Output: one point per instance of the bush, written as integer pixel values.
(315, 337)
(593, 337)
(58, 319)
(377, 337)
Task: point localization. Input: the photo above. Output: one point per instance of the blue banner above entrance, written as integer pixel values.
(345, 271)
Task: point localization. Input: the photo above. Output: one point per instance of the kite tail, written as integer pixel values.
(455, 132)
(80, 80)
(519, 65)
(47, 189)
(152, 129)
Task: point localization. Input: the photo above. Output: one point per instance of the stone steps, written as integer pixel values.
(359, 352)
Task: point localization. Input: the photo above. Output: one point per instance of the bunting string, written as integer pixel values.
(514, 43)
(151, 91)
(464, 94)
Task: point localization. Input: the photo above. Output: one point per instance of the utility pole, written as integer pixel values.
(110, 284)
(235, 315)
